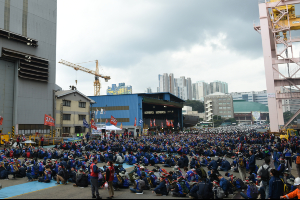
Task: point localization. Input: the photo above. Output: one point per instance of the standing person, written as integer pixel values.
(251, 162)
(110, 172)
(87, 137)
(42, 141)
(276, 186)
(18, 141)
(297, 161)
(288, 156)
(264, 173)
(295, 193)
(94, 178)
(242, 166)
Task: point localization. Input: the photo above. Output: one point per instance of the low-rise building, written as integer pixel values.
(218, 104)
(249, 112)
(71, 108)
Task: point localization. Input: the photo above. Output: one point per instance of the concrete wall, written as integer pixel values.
(33, 99)
(7, 74)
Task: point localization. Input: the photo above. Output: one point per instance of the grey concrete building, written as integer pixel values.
(27, 64)
(218, 104)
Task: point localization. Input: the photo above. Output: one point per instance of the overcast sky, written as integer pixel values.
(135, 40)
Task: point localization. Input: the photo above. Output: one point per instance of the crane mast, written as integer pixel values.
(97, 84)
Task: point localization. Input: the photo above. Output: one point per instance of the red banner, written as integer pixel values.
(150, 123)
(172, 124)
(49, 121)
(106, 121)
(167, 122)
(1, 120)
(154, 123)
(93, 125)
(135, 121)
(113, 121)
(162, 125)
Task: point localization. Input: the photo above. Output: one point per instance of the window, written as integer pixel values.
(229, 115)
(228, 107)
(81, 117)
(224, 107)
(220, 108)
(66, 117)
(221, 111)
(66, 103)
(82, 104)
(66, 129)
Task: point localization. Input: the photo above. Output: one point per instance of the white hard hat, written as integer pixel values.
(297, 181)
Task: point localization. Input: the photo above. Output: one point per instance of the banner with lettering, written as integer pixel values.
(49, 121)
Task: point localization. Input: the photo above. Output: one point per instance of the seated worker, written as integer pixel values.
(212, 165)
(47, 175)
(61, 175)
(125, 182)
(161, 189)
(81, 179)
(144, 178)
(225, 166)
(3, 172)
(179, 190)
(137, 187)
(224, 184)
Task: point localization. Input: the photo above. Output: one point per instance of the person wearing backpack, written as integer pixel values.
(137, 187)
(179, 189)
(276, 186)
(242, 166)
(288, 156)
(264, 173)
(252, 192)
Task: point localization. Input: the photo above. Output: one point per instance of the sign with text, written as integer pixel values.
(49, 121)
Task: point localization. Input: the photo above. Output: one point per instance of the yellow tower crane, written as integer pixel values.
(97, 84)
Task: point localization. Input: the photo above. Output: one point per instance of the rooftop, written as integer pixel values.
(242, 106)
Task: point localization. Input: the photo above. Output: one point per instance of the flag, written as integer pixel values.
(85, 124)
(172, 124)
(106, 121)
(150, 123)
(167, 122)
(135, 121)
(101, 112)
(104, 111)
(178, 125)
(93, 125)
(121, 127)
(49, 121)
(154, 122)
(113, 120)
(162, 124)
(141, 122)
(1, 120)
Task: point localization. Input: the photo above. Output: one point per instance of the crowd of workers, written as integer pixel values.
(182, 164)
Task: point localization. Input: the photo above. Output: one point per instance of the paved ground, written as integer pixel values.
(70, 192)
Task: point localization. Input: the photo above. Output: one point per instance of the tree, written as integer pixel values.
(196, 105)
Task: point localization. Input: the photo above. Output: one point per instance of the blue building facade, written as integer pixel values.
(144, 107)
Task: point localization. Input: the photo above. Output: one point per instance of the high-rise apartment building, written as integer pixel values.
(180, 87)
(218, 86)
(121, 89)
(200, 90)
(148, 90)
